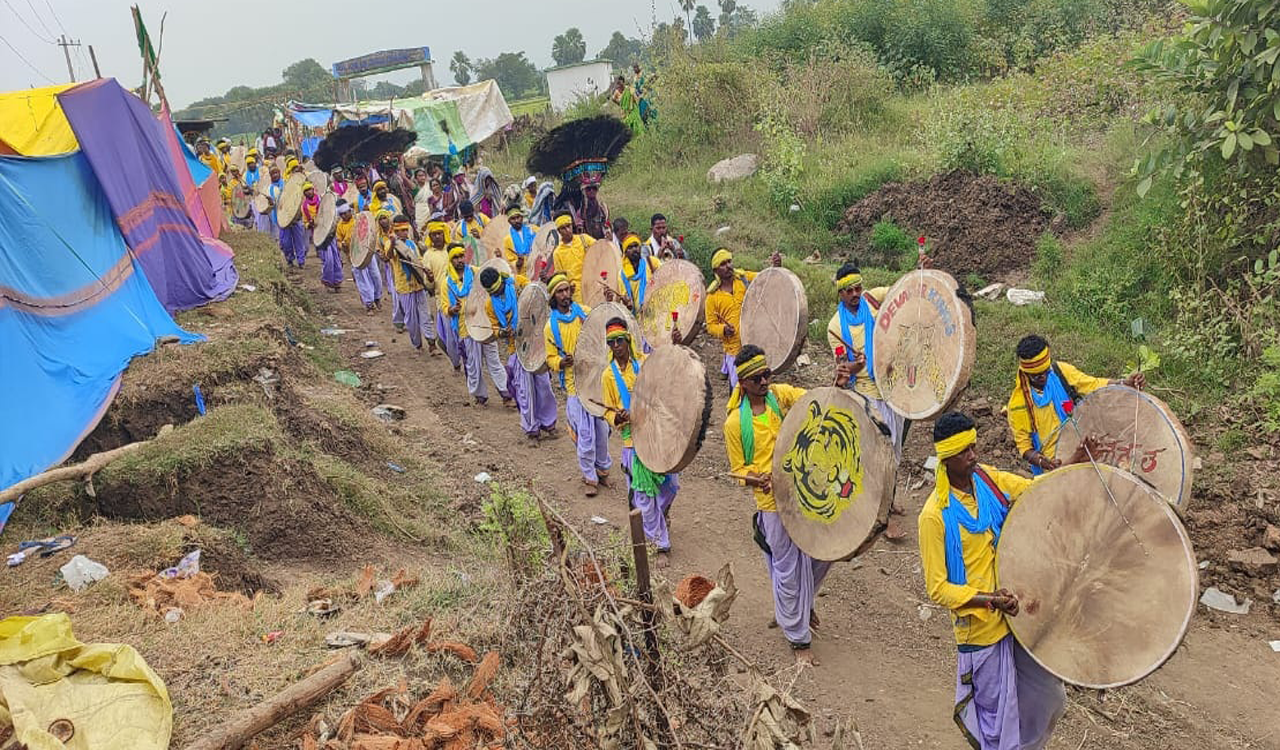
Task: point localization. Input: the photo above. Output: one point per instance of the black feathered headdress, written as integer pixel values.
(361, 144)
(579, 150)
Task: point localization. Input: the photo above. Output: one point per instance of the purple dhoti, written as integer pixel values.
(331, 258)
(261, 222)
(653, 510)
(481, 359)
(388, 283)
(415, 317)
(796, 578)
(449, 338)
(368, 282)
(727, 368)
(294, 243)
(1004, 699)
(534, 397)
(591, 435)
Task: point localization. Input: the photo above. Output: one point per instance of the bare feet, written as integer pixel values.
(813, 620)
(603, 477)
(804, 656)
(551, 434)
(592, 489)
(662, 559)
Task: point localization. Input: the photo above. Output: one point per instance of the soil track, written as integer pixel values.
(887, 654)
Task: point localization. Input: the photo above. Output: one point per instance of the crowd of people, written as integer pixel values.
(1003, 698)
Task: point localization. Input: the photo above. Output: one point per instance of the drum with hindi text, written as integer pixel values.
(364, 239)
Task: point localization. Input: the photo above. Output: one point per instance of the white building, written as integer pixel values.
(567, 84)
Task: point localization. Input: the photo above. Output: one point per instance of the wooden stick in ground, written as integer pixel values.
(243, 727)
(644, 590)
(84, 470)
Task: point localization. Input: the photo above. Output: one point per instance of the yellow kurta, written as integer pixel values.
(1046, 416)
(628, 269)
(569, 337)
(212, 162)
(509, 251)
(405, 283)
(765, 429)
(568, 258)
(612, 397)
(343, 232)
(438, 262)
(724, 307)
(862, 383)
(510, 342)
(474, 227)
(974, 626)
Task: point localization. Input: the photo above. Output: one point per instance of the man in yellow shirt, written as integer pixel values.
(533, 396)
(570, 253)
(207, 156)
(383, 200)
(724, 306)
(436, 259)
(849, 334)
(502, 316)
(590, 433)
(649, 492)
(752, 420)
(518, 243)
(409, 280)
(368, 280)
(1004, 699)
(470, 223)
(637, 272)
(1044, 395)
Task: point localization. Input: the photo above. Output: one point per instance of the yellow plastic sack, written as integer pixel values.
(56, 692)
(32, 123)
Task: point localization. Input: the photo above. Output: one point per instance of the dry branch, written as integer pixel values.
(84, 470)
(240, 729)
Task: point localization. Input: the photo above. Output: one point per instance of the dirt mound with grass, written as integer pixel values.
(975, 224)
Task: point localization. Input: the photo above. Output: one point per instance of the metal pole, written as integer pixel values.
(66, 50)
(97, 73)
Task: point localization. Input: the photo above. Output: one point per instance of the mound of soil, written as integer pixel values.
(974, 223)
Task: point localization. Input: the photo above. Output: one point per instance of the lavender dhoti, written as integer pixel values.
(796, 578)
(591, 436)
(653, 508)
(1004, 699)
(534, 397)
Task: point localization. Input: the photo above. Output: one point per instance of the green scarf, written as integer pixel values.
(643, 479)
(748, 429)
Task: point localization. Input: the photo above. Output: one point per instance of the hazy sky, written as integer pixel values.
(208, 47)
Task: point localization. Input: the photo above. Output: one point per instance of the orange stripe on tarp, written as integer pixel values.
(143, 211)
(73, 301)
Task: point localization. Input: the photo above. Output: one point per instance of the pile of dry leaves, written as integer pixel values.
(152, 591)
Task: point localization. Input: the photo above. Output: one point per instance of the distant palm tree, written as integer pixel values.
(569, 47)
(687, 5)
(461, 67)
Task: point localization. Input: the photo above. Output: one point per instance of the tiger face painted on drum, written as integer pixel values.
(824, 463)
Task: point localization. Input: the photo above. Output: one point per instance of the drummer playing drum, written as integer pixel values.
(1004, 699)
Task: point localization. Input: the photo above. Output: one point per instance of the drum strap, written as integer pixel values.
(991, 513)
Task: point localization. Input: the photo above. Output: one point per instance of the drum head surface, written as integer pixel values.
(676, 286)
(320, 181)
(261, 203)
(491, 238)
(775, 316)
(925, 343)
(545, 243)
(364, 238)
(670, 408)
(326, 220)
(239, 202)
(531, 344)
(476, 309)
(591, 354)
(1102, 604)
(603, 262)
(833, 473)
(290, 207)
(1140, 434)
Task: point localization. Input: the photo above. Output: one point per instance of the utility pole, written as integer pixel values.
(66, 45)
(96, 73)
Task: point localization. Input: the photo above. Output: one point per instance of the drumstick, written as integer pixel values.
(606, 407)
(740, 477)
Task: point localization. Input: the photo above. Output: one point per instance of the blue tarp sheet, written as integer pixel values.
(75, 307)
(199, 172)
(309, 146)
(316, 118)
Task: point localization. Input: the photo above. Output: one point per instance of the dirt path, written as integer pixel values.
(887, 657)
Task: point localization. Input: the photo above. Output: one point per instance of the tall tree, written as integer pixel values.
(687, 7)
(621, 50)
(306, 74)
(727, 7)
(516, 76)
(704, 26)
(569, 47)
(461, 68)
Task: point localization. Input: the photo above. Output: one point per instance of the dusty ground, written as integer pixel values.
(978, 224)
(887, 656)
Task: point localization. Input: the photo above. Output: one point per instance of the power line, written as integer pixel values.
(55, 17)
(25, 60)
(43, 25)
(34, 33)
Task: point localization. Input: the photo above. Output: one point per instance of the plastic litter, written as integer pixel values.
(599, 520)
(483, 477)
(371, 354)
(188, 566)
(1276, 596)
(397, 468)
(333, 331)
(273, 636)
(384, 589)
(991, 291)
(173, 614)
(388, 412)
(81, 571)
(1214, 598)
(199, 399)
(1203, 565)
(16, 559)
(1022, 297)
(249, 287)
(347, 377)
(370, 344)
(1275, 646)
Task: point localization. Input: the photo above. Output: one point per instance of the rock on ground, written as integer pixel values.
(736, 168)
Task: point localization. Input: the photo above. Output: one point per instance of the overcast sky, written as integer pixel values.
(207, 49)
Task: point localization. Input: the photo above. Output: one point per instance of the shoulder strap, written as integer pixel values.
(1071, 391)
(995, 490)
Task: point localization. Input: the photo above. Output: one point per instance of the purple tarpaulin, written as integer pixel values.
(126, 148)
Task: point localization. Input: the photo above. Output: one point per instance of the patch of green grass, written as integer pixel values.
(233, 429)
(1233, 440)
(534, 106)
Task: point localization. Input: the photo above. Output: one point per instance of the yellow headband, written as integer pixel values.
(291, 162)
(386, 213)
(848, 282)
(306, 185)
(1036, 364)
(497, 285)
(630, 242)
(564, 221)
(457, 252)
(556, 282)
(437, 226)
(379, 184)
(616, 333)
(720, 256)
(955, 445)
(752, 366)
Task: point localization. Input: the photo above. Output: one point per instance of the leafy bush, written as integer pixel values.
(784, 149)
(891, 243)
(1266, 390)
(708, 102)
(977, 139)
(1048, 264)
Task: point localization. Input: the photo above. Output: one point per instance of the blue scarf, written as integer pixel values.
(465, 231)
(459, 293)
(575, 313)
(623, 391)
(274, 192)
(1054, 393)
(522, 241)
(251, 177)
(642, 274)
(864, 318)
(405, 268)
(363, 202)
(991, 513)
(504, 305)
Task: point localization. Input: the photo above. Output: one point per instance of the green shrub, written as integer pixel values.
(974, 138)
(890, 243)
(1048, 264)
